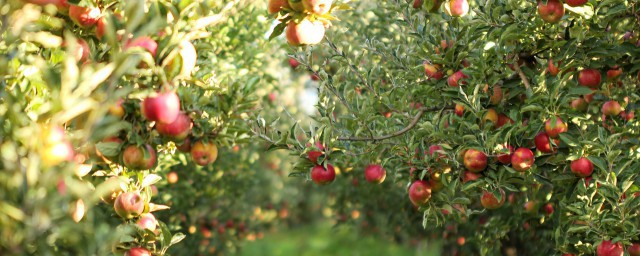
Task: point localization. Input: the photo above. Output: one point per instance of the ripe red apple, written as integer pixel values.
(436, 149)
(489, 201)
(147, 221)
(129, 205)
(548, 209)
(475, 160)
(503, 120)
(634, 249)
(555, 126)
(627, 116)
(582, 167)
(522, 159)
(139, 157)
(144, 42)
(84, 17)
(614, 73)
(305, 33)
(101, 26)
(374, 173)
(457, 8)
(322, 176)
(137, 251)
(576, 3)
(611, 108)
(608, 248)
(459, 109)
(553, 69)
(204, 153)
(318, 7)
(417, 4)
(163, 107)
(433, 71)
(457, 79)
(293, 63)
(470, 176)
(314, 155)
(543, 143)
(185, 146)
(551, 12)
(505, 158)
(590, 78)
(82, 51)
(276, 5)
(579, 104)
(496, 95)
(178, 130)
(419, 192)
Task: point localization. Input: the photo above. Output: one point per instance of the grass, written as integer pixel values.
(322, 239)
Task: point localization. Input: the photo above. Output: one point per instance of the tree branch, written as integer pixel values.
(523, 77)
(411, 125)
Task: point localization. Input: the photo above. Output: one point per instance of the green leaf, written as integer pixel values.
(109, 149)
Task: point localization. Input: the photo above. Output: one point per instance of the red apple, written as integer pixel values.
(82, 51)
(505, 158)
(305, 33)
(489, 201)
(144, 42)
(614, 73)
(459, 109)
(276, 6)
(129, 205)
(139, 157)
(627, 116)
(608, 248)
(522, 159)
(84, 17)
(433, 71)
(611, 108)
(576, 3)
(553, 69)
(204, 153)
(314, 155)
(470, 176)
(590, 78)
(548, 209)
(551, 12)
(164, 107)
(318, 7)
(496, 95)
(475, 160)
(457, 8)
(293, 63)
(634, 249)
(417, 4)
(555, 126)
(137, 251)
(101, 26)
(322, 176)
(579, 104)
(436, 148)
(117, 109)
(147, 221)
(503, 120)
(543, 143)
(582, 167)
(456, 79)
(185, 146)
(419, 192)
(178, 130)
(374, 173)
(531, 207)
(491, 116)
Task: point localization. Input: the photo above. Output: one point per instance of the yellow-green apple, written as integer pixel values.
(491, 116)
(139, 157)
(374, 173)
(204, 153)
(522, 159)
(129, 205)
(147, 221)
(84, 17)
(276, 6)
(163, 107)
(305, 32)
(489, 200)
(552, 11)
(457, 79)
(504, 155)
(419, 192)
(576, 3)
(543, 143)
(554, 126)
(608, 248)
(55, 148)
(323, 176)
(611, 108)
(433, 71)
(579, 104)
(137, 251)
(590, 78)
(117, 109)
(475, 160)
(178, 130)
(318, 7)
(582, 167)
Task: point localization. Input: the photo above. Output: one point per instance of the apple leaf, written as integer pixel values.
(109, 149)
(150, 180)
(277, 30)
(177, 237)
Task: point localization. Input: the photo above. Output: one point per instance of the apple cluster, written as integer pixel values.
(306, 21)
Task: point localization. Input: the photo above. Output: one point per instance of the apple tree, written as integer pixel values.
(500, 126)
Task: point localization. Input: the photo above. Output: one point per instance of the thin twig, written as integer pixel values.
(411, 125)
(522, 76)
(351, 66)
